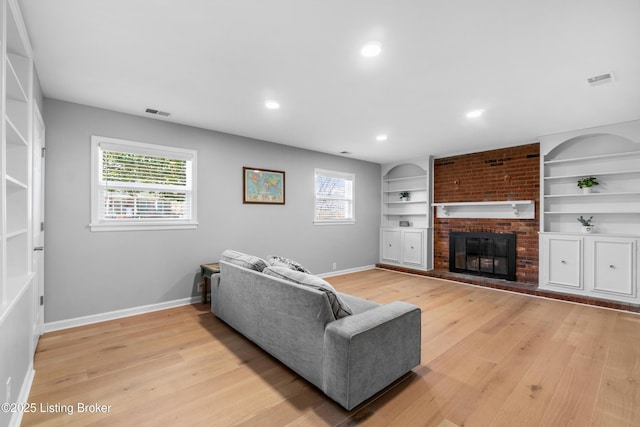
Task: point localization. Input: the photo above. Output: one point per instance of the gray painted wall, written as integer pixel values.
(88, 273)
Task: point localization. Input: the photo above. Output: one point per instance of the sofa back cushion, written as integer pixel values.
(338, 306)
(243, 260)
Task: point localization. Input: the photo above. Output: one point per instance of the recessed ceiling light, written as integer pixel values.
(474, 114)
(272, 105)
(381, 137)
(371, 49)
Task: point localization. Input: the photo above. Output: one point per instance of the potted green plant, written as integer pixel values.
(587, 224)
(404, 196)
(587, 183)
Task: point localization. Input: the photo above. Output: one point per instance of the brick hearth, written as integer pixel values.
(520, 287)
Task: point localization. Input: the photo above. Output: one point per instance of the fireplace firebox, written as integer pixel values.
(483, 254)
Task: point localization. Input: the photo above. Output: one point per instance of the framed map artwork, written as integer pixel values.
(262, 186)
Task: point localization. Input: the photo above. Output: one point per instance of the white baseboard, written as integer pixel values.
(23, 397)
(347, 271)
(117, 314)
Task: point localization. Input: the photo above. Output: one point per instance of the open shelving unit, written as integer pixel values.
(405, 228)
(20, 310)
(415, 210)
(614, 203)
(602, 263)
(17, 110)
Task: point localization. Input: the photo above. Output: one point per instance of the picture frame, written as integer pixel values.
(263, 186)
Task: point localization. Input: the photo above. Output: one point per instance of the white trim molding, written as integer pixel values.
(117, 314)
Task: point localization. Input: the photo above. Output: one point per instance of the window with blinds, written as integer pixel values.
(139, 185)
(334, 197)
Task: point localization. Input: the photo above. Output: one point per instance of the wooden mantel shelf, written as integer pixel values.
(521, 209)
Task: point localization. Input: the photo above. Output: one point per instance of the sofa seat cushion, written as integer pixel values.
(338, 306)
(280, 261)
(243, 260)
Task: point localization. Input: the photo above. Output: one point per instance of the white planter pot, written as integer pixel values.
(586, 190)
(588, 228)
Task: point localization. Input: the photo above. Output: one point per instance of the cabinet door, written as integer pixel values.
(613, 266)
(564, 261)
(412, 247)
(391, 245)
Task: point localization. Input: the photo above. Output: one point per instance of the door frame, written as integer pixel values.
(38, 199)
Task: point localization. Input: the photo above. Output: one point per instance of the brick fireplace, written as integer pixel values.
(506, 174)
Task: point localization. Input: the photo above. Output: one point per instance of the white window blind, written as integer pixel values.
(334, 197)
(142, 185)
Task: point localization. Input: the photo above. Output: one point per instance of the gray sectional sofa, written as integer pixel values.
(348, 347)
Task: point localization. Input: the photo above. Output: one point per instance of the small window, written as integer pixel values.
(334, 197)
(139, 186)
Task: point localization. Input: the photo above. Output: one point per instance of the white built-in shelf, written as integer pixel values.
(405, 203)
(15, 90)
(592, 212)
(619, 193)
(405, 178)
(599, 174)
(592, 158)
(14, 136)
(15, 151)
(14, 184)
(406, 189)
(413, 183)
(615, 202)
(11, 235)
(521, 209)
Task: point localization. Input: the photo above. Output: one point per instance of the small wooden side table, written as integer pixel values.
(206, 271)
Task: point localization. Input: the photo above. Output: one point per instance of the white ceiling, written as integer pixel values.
(213, 63)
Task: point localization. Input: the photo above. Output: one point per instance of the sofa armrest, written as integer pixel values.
(366, 352)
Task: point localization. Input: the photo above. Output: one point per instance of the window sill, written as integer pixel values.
(142, 226)
(350, 222)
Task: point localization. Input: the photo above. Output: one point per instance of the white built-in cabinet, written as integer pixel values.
(403, 246)
(602, 263)
(406, 232)
(15, 233)
(598, 266)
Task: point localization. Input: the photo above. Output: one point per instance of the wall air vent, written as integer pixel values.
(156, 112)
(602, 78)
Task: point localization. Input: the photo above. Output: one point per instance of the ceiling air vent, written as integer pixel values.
(156, 112)
(602, 78)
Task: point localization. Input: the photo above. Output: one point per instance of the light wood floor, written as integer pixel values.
(489, 358)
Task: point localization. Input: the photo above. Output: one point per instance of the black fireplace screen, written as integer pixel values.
(484, 254)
